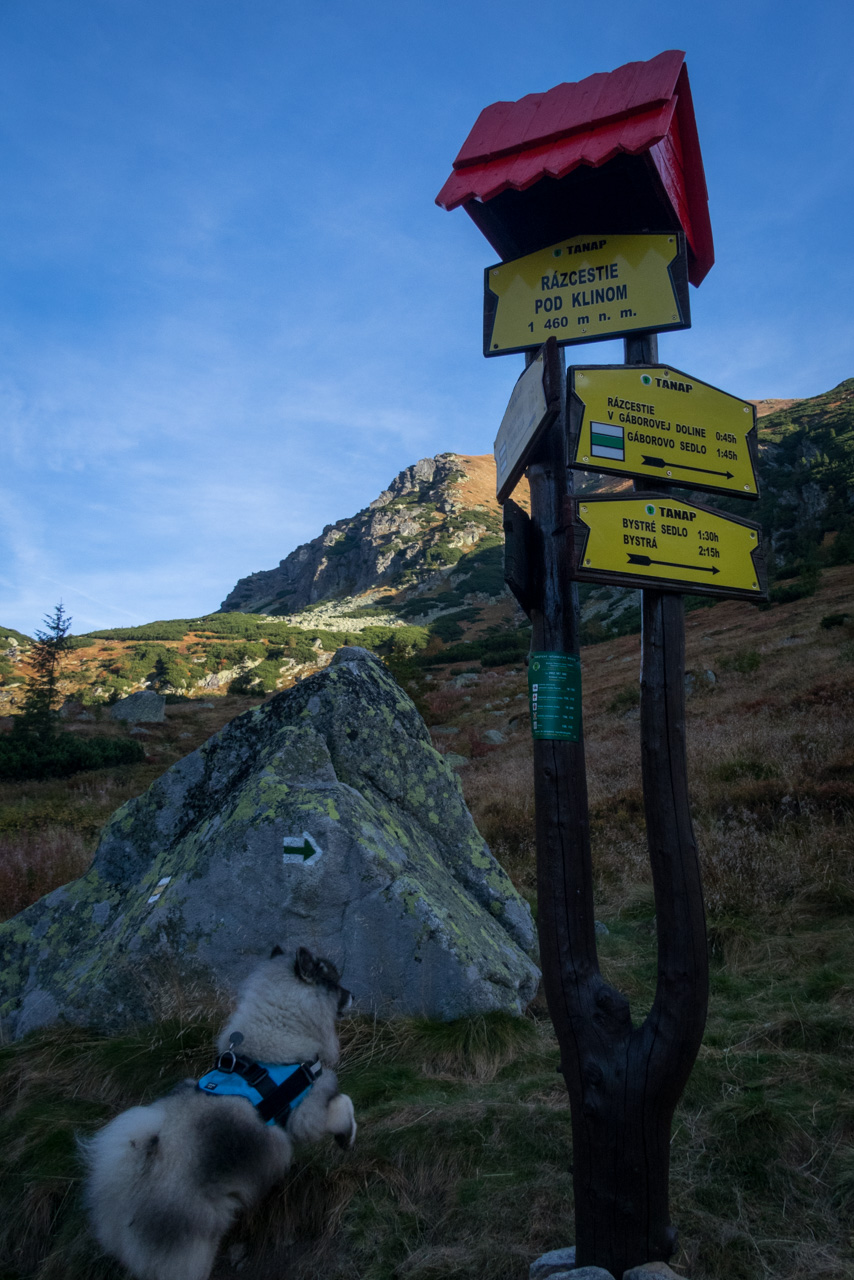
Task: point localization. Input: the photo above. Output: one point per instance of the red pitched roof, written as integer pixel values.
(642, 107)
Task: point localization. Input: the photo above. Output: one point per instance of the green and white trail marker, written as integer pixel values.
(303, 850)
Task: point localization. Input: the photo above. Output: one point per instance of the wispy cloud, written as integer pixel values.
(231, 311)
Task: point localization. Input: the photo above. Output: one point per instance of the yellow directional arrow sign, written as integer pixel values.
(584, 289)
(653, 540)
(653, 420)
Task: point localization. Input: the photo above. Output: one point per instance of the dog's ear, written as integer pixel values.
(277, 951)
(305, 965)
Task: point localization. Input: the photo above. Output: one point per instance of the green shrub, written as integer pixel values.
(343, 546)
(626, 699)
(446, 629)
(257, 680)
(805, 584)
(238, 626)
(229, 655)
(12, 634)
(23, 758)
(154, 662)
(375, 638)
(841, 550)
(441, 554)
(405, 641)
(491, 650)
(300, 649)
(420, 604)
(174, 671)
(148, 631)
(484, 567)
(504, 657)
(744, 765)
(743, 661)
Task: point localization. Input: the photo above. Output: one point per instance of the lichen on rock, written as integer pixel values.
(324, 817)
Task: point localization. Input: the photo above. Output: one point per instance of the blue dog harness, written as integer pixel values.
(273, 1089)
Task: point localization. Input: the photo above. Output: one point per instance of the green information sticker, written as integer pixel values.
(554, 692)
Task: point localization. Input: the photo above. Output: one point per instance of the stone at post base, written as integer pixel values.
(559, 1264)
(652, 1271)
(193, 881)
(549, 1264)
(583, 1273)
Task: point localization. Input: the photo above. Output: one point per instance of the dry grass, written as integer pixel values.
(770, 749)
(461, 1164)
(49, 829)
(33, 863)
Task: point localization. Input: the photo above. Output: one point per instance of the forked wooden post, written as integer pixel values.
(623, 1081)
(592, 156)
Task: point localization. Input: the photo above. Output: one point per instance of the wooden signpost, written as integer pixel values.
(587, 169)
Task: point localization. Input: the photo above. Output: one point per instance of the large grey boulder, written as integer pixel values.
(146, 705)
(324, 817)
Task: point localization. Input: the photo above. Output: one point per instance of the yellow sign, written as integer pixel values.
(654, 540)
(585, 289)
(654, 421)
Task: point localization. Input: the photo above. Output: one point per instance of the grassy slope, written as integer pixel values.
(461, 1165)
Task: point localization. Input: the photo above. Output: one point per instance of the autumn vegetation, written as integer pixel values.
(461, 1168)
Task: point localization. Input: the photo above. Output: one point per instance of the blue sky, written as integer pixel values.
(231, 312)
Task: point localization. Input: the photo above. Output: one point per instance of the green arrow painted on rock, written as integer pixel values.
(304, 846)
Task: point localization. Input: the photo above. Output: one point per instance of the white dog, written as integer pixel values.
(166, 1181)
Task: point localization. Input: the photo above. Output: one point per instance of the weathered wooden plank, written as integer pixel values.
(518, 558)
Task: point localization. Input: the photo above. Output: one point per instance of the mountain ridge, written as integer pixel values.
(438, 526)
(415, 531)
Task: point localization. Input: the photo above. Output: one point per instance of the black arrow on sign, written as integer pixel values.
(677, 466)
(671, 564)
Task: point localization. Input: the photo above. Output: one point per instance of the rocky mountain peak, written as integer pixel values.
(425, 481)
(410, 535)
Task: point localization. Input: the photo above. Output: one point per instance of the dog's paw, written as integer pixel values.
(341, 1120)
(346, 1140)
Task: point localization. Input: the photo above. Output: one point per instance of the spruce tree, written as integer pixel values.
(39, 715)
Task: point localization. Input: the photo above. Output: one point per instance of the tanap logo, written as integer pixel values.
(649, 509)
(646, 380)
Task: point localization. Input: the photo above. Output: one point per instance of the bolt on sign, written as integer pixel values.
(534, 405)
(653, 540)
(654, 421)
(584, 289)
